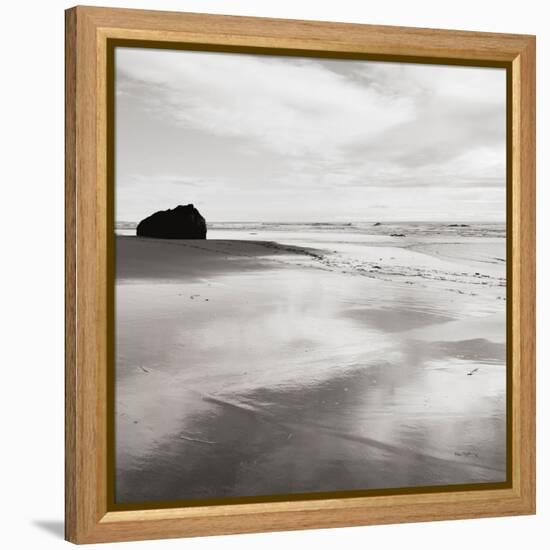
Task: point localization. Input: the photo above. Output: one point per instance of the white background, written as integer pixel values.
(31, 226)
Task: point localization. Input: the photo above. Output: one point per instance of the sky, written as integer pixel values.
(261, 138)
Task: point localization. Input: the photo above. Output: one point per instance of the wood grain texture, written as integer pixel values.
(87, 232)
(70, 273)
(524, 180)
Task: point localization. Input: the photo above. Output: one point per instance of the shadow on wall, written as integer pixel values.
(55, 527)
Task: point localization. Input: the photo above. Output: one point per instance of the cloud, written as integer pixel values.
(249, 134)
(288, 105)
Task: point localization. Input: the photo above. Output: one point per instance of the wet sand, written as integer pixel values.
(249, 368)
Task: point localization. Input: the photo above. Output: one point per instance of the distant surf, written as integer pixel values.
(420, 228)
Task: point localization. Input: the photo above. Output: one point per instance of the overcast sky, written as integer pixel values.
(258, 138)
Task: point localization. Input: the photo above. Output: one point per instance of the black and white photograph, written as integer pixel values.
(310, 291)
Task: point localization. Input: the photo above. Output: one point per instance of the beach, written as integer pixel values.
(299, 358)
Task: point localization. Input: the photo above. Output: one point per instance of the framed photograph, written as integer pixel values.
(300, 274)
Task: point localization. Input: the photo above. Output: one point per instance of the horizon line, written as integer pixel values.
(341, 222)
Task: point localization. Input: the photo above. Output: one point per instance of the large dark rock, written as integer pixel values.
(182, 222)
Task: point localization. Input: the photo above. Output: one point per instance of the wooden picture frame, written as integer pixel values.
(90, 32)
